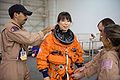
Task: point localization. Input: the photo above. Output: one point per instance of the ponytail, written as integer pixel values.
(118, 50)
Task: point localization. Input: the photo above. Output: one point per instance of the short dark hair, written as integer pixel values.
(18, 8)
(106, 21)
(64, 15)
(113, 33)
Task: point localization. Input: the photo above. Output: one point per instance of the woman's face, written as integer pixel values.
(101, 29)
(103, 38)
(64, 25)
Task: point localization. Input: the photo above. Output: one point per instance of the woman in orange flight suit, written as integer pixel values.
(60, 52)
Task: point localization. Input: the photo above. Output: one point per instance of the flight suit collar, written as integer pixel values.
(58, 42)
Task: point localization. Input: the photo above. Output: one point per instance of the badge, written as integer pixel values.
(23, 55)
(107, 64)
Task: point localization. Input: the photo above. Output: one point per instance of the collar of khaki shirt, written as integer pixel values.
(12, 21)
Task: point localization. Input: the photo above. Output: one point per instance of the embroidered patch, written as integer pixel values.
(14, 28)
(107, 64)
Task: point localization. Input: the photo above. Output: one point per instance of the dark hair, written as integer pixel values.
(106, 21)
(12, 14)
(64, 15)
(113, 33)
(18, 8)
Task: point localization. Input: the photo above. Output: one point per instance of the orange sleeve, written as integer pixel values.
(43, 53)
(79, 51)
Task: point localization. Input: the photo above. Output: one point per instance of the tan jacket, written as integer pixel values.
(0, 43)
(14, 38)
(105, 64)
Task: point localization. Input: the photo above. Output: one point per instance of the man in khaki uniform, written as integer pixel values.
(15, 40)
(106, 64)
(0, 47)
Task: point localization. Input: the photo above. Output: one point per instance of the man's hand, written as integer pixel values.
(47, 29)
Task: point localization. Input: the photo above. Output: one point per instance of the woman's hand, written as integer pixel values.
(77, 76)
(79, 69)
(78, 73)
(47, 78)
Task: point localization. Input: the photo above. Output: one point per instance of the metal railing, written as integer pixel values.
(90, 47)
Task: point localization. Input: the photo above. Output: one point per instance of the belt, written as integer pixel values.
(13, 59)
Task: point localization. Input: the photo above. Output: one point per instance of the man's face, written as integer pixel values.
(64, 25)
(21, 18)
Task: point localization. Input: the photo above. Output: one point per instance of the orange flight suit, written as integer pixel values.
(52, 55)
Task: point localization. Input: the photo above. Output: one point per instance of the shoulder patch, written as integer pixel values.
(107, 64)
(14, 28)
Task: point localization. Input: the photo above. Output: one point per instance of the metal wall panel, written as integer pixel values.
(35, 22)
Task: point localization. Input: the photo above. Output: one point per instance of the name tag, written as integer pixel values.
(23, 55)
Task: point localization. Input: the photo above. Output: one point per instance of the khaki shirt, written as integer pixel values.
(0, 43)
(15, 37)
(105, 64)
